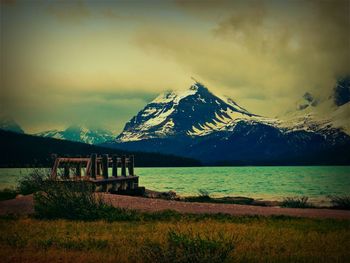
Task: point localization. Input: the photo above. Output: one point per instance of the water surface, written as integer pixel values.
(273, 182)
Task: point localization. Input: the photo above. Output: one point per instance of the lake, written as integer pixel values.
(271, 182)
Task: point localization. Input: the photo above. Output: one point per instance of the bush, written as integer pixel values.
(32, 182)
(7, 194)
(76, 201)
(340, 202)
(203, 196)
(296, 202)
(194, 248)
(73, 200)
(70, 200)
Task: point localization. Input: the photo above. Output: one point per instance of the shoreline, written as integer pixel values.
(24, 205)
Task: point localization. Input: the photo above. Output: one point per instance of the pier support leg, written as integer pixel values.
(93, 165)
(114, 166)
(105, 166)
(98, 168)
(78, 171)
(131, 165)
(66, 171)
(123, 165)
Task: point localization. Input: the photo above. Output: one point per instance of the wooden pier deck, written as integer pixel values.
(96, 171)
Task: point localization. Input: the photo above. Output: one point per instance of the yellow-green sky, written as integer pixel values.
(99, 62)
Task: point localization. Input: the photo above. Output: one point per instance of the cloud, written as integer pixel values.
(59, 109)
(259, 49)
(69, 11)
(63, 60)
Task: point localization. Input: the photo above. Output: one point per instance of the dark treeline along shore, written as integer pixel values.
(21, 150)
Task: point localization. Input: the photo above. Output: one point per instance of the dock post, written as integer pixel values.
(78, 171)
(93, 165)
(114, 166)
(98, 165)
(131, 165)
(123, 165)
(66, 171)
(136, 183)
(54, 166)
(105, 166)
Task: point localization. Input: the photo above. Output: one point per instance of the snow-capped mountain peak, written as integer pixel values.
(194, 111)
(177, 95)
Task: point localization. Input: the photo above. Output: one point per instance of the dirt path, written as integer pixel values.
(24, 205)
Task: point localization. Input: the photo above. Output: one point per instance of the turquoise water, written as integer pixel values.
(316, 182)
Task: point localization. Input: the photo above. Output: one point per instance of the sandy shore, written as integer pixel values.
(24, 205)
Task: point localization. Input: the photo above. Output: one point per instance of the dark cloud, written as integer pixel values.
(277, 48)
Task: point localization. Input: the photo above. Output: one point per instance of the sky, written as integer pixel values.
(97, 63)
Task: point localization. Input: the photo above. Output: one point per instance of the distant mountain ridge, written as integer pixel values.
(23, 150)
(8, 124)
(196, 123)
(79, 134)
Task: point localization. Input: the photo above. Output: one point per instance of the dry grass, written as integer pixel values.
(255, 239)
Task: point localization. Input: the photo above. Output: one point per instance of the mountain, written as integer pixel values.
(216, 130)
(79, 134)
(22, 150)
(195, 111)
(9, 124)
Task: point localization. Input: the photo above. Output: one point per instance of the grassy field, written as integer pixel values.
(252, 239)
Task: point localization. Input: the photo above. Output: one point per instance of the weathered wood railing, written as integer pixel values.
(94, 166)
(96, 170)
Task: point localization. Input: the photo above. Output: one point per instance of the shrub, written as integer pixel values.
(203, 193)
(6, 194)
(70, 200)
(32, 182)
(203, 196)
(296, 202)
(340, 202)
(190, 247)
(76, 201)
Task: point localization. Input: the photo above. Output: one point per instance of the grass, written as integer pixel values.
(195, 238)
(296, 202)
(189, 247)
(71, 225)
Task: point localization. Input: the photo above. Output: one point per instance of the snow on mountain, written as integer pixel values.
(322, 116)
(79, 134)
(9, 124)
(191, 112)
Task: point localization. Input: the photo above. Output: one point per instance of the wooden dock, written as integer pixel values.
(95, 170)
